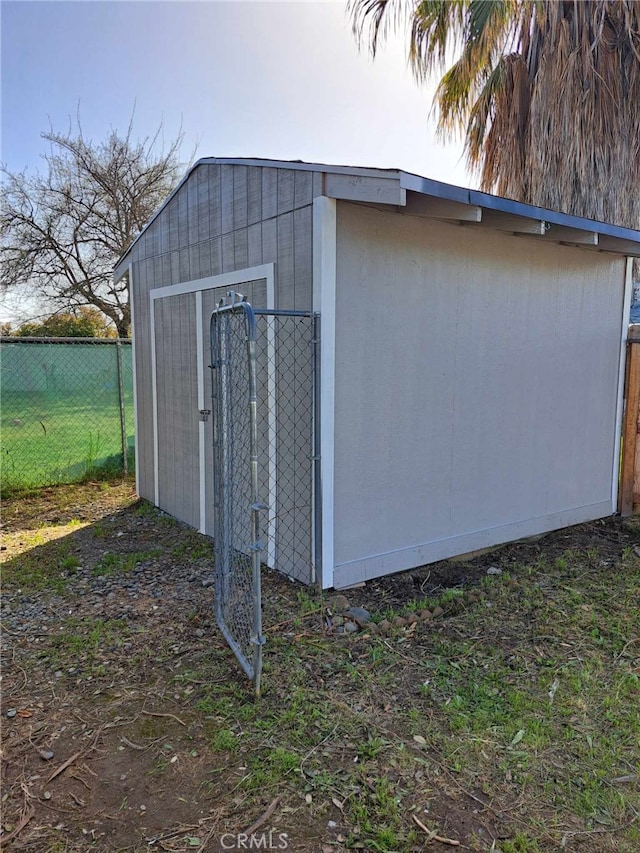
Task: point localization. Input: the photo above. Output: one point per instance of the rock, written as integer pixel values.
(494, 570)
(359, 615)
(350, 627)
(199, 632)
(372, 628)
(412, 619)
(338, 603)
(208, 582)
(11, 713)
(399, 622)
(46, 754)
(437, 611)
(426, 615)
(384, 626)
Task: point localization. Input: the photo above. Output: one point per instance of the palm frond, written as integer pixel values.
(547, 92)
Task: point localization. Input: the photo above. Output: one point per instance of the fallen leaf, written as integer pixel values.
(517, 737)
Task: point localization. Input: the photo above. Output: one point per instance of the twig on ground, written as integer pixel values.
(132, 744)
(17, 666)
(157, 714)
(27, 814)
(317, 746)
(66, 764)
(626, 646)
(294, 618)
(78, 755)
(432, 835)
(158, 839)
(401, 654)
(77, 800)
(263, 818)
(207, 839)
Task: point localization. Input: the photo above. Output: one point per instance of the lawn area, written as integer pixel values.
(508, 722)
(51, 437)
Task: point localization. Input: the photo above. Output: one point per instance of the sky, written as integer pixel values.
(281, 80)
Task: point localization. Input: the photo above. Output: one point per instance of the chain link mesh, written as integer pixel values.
(237, 593)
(67, 409)
(263, 463)
(285, 365)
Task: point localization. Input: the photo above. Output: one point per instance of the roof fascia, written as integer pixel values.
(629, 239)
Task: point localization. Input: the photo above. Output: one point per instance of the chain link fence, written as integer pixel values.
(235, 442)
(263, 416)
(66, 409)
(285, 356)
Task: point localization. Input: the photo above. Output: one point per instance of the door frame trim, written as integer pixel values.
(227, 279)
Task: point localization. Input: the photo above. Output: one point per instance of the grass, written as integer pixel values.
(511, 722)
(112, 564)
(60, 438)
(532, 692)
(47, 566)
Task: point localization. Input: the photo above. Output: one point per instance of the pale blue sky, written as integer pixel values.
(268, 79)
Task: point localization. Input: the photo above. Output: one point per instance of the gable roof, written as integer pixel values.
(495, 211)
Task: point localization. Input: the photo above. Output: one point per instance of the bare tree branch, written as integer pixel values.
(62, 231)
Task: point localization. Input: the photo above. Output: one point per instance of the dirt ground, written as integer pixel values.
(507, 722)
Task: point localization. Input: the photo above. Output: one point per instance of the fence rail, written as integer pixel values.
(629, 500)
(66, 409)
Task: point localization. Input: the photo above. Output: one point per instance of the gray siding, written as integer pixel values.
(177, 397)
(224, 218)
(476, 389)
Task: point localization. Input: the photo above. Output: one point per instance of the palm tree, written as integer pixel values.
(546, 92)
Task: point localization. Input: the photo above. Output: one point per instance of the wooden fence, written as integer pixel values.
(629, 500)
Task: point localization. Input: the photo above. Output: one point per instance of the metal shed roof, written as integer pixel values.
(450, 202)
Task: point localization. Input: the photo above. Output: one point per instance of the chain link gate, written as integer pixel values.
(263, 392)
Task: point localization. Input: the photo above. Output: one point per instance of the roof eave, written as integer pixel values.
(615, 239)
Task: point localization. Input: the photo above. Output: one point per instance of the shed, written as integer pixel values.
(440, 370)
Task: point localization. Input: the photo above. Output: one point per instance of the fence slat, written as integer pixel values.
(630, 468)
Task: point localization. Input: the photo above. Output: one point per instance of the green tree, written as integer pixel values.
(62, 231)
(84, 322)
(546, 93)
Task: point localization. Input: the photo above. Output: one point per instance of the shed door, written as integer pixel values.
(183, 435)
(177, 410)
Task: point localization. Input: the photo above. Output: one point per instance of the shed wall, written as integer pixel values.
(223, 219)
(475, 389)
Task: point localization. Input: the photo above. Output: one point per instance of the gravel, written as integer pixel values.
(112, 597)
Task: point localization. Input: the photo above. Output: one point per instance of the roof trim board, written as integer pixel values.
(507, 205)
